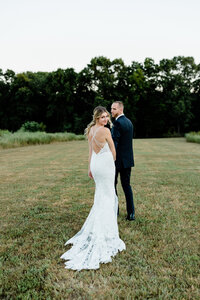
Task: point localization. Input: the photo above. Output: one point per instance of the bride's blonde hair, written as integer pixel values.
(97, 112)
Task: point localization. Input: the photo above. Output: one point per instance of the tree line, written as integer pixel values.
(160, 99)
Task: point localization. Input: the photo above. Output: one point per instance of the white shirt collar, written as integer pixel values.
(119, 116)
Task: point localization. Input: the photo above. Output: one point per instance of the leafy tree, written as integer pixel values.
(159, 98)
(61, 94)
(176, 82)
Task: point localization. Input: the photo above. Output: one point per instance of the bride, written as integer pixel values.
(98, 240)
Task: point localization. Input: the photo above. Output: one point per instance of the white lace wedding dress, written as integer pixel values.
(98, 240)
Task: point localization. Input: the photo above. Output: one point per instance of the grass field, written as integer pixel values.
(45, 197)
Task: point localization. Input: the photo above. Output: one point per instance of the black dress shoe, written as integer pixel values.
(130, 217)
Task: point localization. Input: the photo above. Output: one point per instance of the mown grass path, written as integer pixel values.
(45, 196)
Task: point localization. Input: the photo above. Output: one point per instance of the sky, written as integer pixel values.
(44, 35)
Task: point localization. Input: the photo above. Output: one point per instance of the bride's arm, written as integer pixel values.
(110, 143)
(89, 160)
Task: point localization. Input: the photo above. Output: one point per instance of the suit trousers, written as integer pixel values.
(125, 175)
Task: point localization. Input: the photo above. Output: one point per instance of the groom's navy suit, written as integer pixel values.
(122, 134)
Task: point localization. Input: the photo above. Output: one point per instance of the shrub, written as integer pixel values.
(4, 132)
(193, 137)
(32, 126)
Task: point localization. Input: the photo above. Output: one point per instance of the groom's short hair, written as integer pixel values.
(120, 103)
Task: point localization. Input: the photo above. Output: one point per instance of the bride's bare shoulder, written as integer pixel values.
(105, 131)
(103, 128)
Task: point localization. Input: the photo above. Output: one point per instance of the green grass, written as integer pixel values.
(45, 197)
(193, 137)
(20, 138)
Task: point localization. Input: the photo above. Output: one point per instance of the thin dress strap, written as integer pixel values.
(99, 144)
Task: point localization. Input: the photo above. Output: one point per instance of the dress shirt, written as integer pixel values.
(119, 116)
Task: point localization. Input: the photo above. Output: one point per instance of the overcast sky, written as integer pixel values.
(44, 35)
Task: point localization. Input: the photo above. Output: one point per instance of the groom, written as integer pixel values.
(122, 134)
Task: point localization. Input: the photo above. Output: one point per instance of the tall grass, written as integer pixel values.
(193, 137)
(20, 138)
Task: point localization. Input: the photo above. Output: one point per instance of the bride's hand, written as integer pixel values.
(90, 174)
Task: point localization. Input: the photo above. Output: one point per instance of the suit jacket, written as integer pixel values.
(122, 134)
